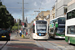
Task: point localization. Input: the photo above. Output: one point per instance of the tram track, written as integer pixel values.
(48, 43)
(56, 46)
(41, 45)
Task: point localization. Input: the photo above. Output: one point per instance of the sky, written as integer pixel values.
(15, 7)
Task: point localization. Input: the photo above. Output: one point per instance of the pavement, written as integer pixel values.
(17, 36)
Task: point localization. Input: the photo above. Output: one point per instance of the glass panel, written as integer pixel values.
(51, 30)
(73, 14)
(41, 27)
(61, 30)
(61, 20)
(69, 15)
(71, 30)
(33, 28)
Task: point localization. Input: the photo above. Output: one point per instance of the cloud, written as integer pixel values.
(35, 4)
(15, 6)
(46, 2)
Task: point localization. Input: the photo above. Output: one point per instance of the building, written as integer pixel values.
(42, 15)
(14, 20)
(52, 13)
(19, 21)
(71, 4)
(61, 7)
(48, 18)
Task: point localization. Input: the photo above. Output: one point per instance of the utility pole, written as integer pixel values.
(23, 10)
(18, 29)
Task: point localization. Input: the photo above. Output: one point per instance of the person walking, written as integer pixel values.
(17, 32)
(20, 32)
(26, 33)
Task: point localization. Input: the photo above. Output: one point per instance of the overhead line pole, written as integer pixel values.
(23, 10)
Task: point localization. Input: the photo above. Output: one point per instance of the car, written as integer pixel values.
(4, 35)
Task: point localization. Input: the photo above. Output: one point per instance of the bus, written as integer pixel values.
(70, 27)
(57, 27)
(39, 30)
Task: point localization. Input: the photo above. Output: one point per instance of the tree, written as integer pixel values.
(6, 19)
(15, 27)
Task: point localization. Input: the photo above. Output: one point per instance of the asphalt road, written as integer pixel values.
(19, 43)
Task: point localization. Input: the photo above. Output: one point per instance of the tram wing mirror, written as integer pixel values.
(4, 35)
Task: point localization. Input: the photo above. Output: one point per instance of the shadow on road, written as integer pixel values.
(72, 44)
(14, 40)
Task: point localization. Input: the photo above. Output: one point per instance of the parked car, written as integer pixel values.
(4, 35)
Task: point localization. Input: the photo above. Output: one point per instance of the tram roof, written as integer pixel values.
(57, 18)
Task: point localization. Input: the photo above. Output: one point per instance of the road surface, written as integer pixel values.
(19, 43)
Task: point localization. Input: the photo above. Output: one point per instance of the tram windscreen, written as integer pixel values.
(61, 20)
(41, 27)
(61, 30)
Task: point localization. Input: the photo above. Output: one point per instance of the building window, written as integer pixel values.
(65, 10)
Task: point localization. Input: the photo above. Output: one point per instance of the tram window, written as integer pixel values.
(51, 30)
(56, 20)
(69, 15)
(71, 30)
(33, 28)
(73, 14)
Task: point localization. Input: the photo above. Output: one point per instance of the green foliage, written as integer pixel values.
(16, 24)
(15, 27)
(6, 19)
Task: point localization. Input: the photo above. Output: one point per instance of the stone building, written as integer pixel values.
(43, 15)
(71, 5)
(52, 13)
(61, 7)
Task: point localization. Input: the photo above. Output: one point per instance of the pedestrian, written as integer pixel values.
(20, 32)
(26, 33)
(17, 32)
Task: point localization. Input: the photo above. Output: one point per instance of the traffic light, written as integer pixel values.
(25, 25)
(19, 22)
